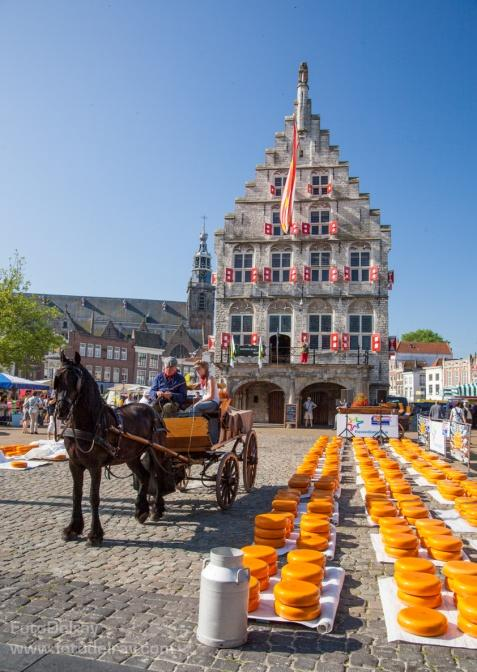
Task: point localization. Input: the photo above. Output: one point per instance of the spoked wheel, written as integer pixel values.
(227, 481)
(183, 483)
(250, 460)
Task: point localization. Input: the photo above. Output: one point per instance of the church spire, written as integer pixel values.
(303, 103)
(201, 270)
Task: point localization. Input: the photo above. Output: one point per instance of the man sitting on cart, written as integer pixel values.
(168, 393)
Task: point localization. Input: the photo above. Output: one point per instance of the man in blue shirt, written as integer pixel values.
(169, 392)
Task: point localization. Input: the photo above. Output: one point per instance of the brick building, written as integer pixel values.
(326, 282)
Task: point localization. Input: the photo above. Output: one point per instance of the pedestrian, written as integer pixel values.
(435, 411)
(34, 405)
(304, 352)
(50, 409)
(309, 406)
(25, 412)
(457, 413)
(473, 410)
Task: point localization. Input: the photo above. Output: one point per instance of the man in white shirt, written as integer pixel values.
(309, 406)
(34, 404)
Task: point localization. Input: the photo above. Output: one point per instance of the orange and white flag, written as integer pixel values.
(288, 196)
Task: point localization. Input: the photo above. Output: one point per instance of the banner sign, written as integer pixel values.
(437, 437)
(363, 424)
(291, 414)
(422, 430)
(459, 441)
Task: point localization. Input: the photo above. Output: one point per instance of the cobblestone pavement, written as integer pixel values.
(134, 601)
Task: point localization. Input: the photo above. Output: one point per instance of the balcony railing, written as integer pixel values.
(276, 355)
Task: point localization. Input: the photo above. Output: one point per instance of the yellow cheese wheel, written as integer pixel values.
(376, 486)
(457, 568)
(444, 556)
(465, 625)
(275, 543)
(253, 604)
(390, 523)
(429, 524)
(295, 593)
(297, 613)
(303, 571)
(19, 464)
(422, 621)
(253, 587)
(322, 494)
(421, 584)
(307, 555)
(257, 567)
(290, 491)
(433, 602)
(435, 531)
(263, 552)
(400, 488)
(415, 499)
(271, 521)
(314, 525)
(387, 532)
(311, 540)
(414, 565)
(468, 608)
(268, 534)
(287, 494)
(284, 505)
(401, 552)
(444, 542)
(320, 506)
(397, 540)
(465, 585)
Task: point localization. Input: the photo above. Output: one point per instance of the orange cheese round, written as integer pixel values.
(320, 506)
(253, 587)
(253, 604)
(465, 585)
(407, 498)
(468, 608)
(271, 521)
(391, 522)
(422, 621)
(414, 565)
(398, 540)
(401, 552)
(444, 542)
(307, 555)
(268, 534)
(258, 568)
(296, 613)
(303, 571)
(275, 543)
(388, 532)
(465, 625)
(295, 593)
(433, 602)
(263, 583)
(457, 568)
(263, 552)
(430, 524)
(313, 541)
(19, 464)
(273, 569)
(309, 524)
(421, 584)
(284, 505)
(444, 556)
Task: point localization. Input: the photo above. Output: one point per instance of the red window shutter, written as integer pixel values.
(305, 337)
(305, 228)
(254, 339)
(345, 341)
(213, 278)
(346, 273)
(267, 274)
(307, 273)
(272, 190)
(374, 273)
(293, 274)
(309, 188)
(334, 341)
(268, 229)
(229, 275)
(333, 227)
(254, 275)
(225, 339)
(210, 342)
(295, 230)
(329, 188)
(334, 274)
(376, 342)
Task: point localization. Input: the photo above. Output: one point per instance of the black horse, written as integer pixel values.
(92, 444)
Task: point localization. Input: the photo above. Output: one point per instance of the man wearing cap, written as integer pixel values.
(169, 392)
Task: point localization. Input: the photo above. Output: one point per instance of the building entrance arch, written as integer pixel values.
(279, 349)
(265, 399)
(325, 396)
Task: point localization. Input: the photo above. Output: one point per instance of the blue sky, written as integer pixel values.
(123, 122)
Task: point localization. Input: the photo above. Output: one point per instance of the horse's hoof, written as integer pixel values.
(69, 535)
(157, 515)
(94, 541)
(142, 517)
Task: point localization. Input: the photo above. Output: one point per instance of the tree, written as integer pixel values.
(26, 334)
(423, 336)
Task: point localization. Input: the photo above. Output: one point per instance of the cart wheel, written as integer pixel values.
(182, 485)
(227, 481)
(250, 460)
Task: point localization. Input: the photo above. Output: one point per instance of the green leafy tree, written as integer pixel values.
(26, 332)
(423, 336)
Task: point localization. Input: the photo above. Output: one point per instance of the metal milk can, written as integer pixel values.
(223, 602)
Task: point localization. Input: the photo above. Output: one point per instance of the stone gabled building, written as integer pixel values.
(325, 283)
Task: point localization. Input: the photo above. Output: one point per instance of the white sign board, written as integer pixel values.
(437, 437)
(364, 424)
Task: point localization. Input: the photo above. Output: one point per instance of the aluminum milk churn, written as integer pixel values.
(223, 602)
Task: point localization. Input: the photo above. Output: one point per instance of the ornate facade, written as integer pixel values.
(325, 283)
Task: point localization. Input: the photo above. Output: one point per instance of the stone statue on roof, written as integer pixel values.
(303, 74)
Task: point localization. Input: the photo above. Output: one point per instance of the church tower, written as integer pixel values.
(201, 291)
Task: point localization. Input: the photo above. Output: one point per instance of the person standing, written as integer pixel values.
(34, 405)
(309, 406)
(50, 410)
(467, 413)
(457, 413)
(435, 411)
(304, 352)
(25, 413)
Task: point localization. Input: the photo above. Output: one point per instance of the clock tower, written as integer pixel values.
(201, 291)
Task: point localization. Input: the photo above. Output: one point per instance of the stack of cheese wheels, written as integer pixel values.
(413, 511)
(467, 508)
(399, 542)
(263, 552)
(307, 555)
(404, 565)
(297, 600)
(467, 615)
(284, 504)
(259, 569)
(443, 547)
(303, 571)
(313, 522)
(418, 589)
(300, 482)
(457, 568)
(429, 526)
(450, 489)
(380, 508)
(271, 529)
(464, 586)
(322, 506)
(253, 593)
(422, 621)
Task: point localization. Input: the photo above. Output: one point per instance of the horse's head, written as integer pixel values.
(68, 382)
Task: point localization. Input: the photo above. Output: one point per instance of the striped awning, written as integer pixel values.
(449, 392)
(467, 390)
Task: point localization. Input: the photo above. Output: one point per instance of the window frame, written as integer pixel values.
(361, 337)
(319, 184)
(320, 339)
(281, 330)
(320, 222)
(243, 272)
(280, 273)
(241, 336)
(359, 272)
(320, 272)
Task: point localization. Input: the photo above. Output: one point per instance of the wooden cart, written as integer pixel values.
(187, 443)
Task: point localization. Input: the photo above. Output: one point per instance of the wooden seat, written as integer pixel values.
(187, 435)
